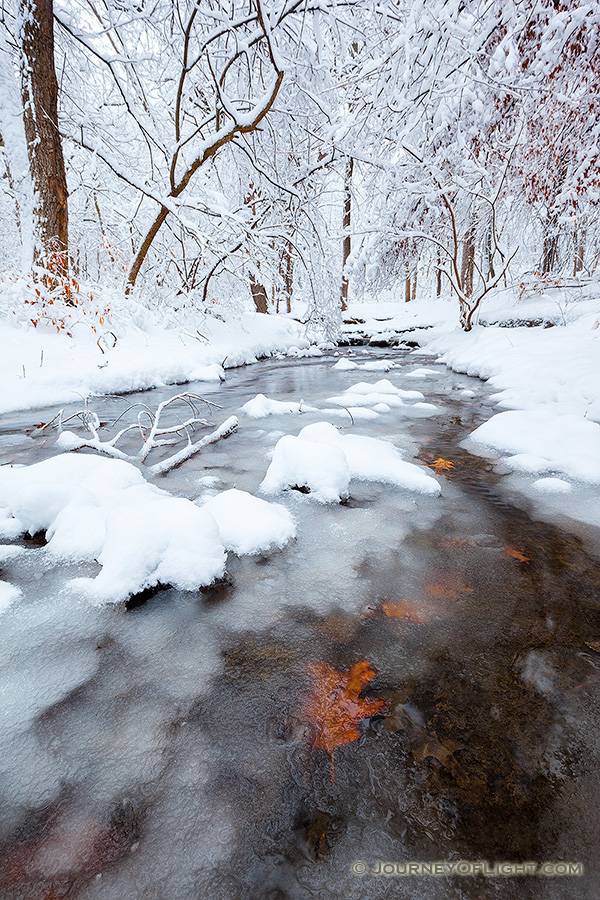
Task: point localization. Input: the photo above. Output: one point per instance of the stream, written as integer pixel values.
(159, 752)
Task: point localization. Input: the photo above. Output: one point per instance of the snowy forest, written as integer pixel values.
(299, 449)
(194, 153)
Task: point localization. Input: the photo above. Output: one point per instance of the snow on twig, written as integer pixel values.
(152, 435)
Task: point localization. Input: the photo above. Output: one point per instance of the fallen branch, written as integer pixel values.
(223, 431)
(152, 435)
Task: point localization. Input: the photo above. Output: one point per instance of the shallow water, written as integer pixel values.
(161, 752)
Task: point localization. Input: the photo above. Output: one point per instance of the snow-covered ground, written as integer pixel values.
(546, 379)
(40, 367)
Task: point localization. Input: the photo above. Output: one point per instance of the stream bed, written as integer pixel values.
(160, 752)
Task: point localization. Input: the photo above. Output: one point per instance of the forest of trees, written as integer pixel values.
(191, 150)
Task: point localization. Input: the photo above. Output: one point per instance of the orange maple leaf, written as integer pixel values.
(516, 554)
(334, 707)
(442, 466)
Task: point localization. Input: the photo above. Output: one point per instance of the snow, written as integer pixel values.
(344, 365)
(157, 540)
(97, 509)
(381, 396)
(8, 594)
(41, 368)
(546, 378)
(261, 406)
(323, 460)
(376, 365)
(297, 462)
(564, 442)
(553, 485)
(248, 524)
(421, 372)
(372, 459)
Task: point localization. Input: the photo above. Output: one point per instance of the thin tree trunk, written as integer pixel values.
(438, 283)
(12, 187)
(407, 285)
(580, 236)
(39, 89)
(347, 245)
(489, 252)
(287, 267)
(468, 262)
(413, 295)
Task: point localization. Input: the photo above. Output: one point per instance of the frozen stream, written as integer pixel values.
(160, 752)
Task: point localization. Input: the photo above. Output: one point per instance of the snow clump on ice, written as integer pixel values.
(248, 524)
(323, 461)
(93, 508)
(261, 406)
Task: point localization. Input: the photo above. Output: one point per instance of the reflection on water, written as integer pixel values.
(161, 752)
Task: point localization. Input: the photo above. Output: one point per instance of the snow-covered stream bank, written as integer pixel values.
(163, 752)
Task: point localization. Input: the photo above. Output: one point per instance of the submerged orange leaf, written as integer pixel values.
(334, 707)
(441, 466)
(516, 554)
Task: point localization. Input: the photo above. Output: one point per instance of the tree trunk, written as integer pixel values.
(39, 89)
(438, 281)
(468, 262)
(489, 252)
(287, 269)
(550, 246)
(579, 251)
(259, 295)
(347, 246)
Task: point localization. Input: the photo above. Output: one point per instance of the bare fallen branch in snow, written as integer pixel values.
(223, 431)
(153, 436)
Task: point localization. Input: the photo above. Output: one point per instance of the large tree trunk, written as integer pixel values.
(39, 89)
(347, 246)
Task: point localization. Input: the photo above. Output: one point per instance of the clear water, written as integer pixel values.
(160, 752)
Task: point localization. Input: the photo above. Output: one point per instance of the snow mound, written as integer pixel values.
(423, 372)
(384, 386)
(553, 485)
(379, 365)
(8, 594)
(93, 508)
(568, 443)
(214, 373)
(345, 365)
(323, 460)
(296, 462)
(157, 540)
(372, 459)
(248, 524)
(383, 391)
(261, 406)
